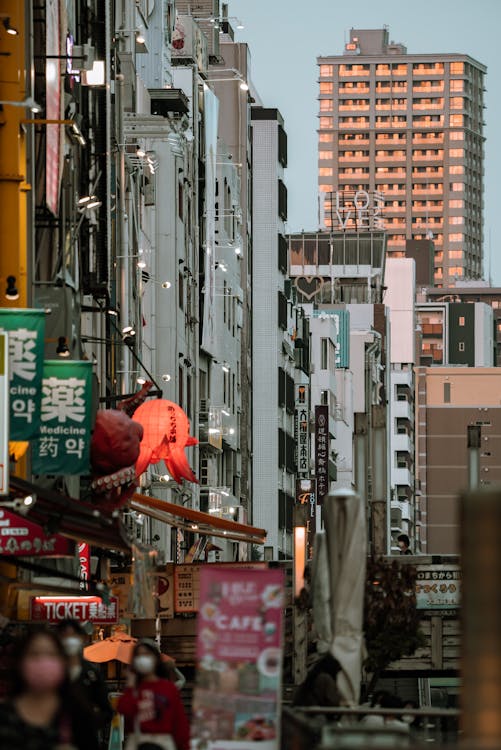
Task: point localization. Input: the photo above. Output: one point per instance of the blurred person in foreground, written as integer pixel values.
(155, 718)
(83, 674)
(43, 710)
(403, 542)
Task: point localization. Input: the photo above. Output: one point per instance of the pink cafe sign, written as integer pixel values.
(239, 658)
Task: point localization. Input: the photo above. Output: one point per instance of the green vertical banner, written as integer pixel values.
(63, 446)
(26, 329)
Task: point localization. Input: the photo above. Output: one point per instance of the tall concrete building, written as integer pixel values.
(411, 127)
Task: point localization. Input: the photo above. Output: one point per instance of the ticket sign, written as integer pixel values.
(236, 703)
(53, 609)
(20, 537)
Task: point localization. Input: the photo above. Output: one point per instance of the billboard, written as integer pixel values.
(322, 451)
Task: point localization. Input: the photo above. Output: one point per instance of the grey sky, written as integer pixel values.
(285, 37)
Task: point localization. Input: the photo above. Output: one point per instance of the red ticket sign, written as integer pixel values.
(82, 608)
(20, 537)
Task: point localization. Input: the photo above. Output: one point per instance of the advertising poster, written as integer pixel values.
(26, 330)
(438, 587)
(302, 430)
(322, 451)
(65, 419)
(236, 702)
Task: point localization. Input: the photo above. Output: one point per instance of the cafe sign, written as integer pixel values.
(26, 331)
(53, 609)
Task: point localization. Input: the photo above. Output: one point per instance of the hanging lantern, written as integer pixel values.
(166, 434)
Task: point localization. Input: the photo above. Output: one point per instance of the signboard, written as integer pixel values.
(20, 537)
(64, 443)
(237, 698)
(26, 330)
(354, 210)
(187, 584)
(306, 496)
(52, 609)
(84, 564)
(342, 326)
(302, 430)
(188, 42)
(438, 587)
(54, 133)
(322, 451)
(4, 414)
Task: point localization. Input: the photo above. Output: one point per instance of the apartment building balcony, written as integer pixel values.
(429, 141)
(354, 108)
(401, 476)
(427, 157)
(403, 507)
(425, 88)
(355, 91)
(354, 159)
(401, 442)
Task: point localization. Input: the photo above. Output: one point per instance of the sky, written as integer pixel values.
(286, 36)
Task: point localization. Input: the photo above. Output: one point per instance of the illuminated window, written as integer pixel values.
(456, 254)
(456, 220)
(326, 71)
(325, 188)
(455, 237)
(457, 102)
(325, 137)
(457, 85)
(456, 169)
(457, 68)
(456, 153)
(457, 187)
(326, 122)
(325, 171)
(456, 203)
(456, 135)
(326, 105)
(326, 87)
(326, 155)
(439, 272)
(456, 271)
(456, 120)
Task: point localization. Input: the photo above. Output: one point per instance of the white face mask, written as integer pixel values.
(408, 718)
(144, 664)
(72, 645)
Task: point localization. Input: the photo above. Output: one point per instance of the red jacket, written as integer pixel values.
(159, 709)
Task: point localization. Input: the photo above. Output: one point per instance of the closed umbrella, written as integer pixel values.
(118, 647)
(346, 532)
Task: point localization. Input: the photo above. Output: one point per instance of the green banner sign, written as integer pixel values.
(26, 329)
(63, 446)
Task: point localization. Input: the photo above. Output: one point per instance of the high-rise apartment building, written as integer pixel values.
(411, 127)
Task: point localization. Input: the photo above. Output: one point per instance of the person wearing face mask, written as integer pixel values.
(154, 713)
(43, 711)
(83, 674)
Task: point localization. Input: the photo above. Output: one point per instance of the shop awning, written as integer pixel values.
(196, 521)
(70, 517)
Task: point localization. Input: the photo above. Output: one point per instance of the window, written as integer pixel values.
(326, 122)
(180, 289)
(461, 346)
(457, 85)
(456, 135)
(457, 68)
(457, 102)
(324, 354)
(282, 311)
(456, 203)
(325, 137)
(180, 378)
(461, 320)
(326, 87)
(456, 153)
(456, 254)
(456, 271)
(456, 120)
(326, 71)
(325, 171)
(456, 220)
(456, 169)
(455, 237)
(447, 393)
(326, 105)
(324, 398)
(457, 187)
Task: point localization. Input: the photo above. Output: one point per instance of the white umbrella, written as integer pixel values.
(321, 593)
(346, 534)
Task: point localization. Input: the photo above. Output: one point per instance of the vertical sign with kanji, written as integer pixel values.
(26, 329)
(322, 451)
(63, 446)
(4, 414)
(302, 431)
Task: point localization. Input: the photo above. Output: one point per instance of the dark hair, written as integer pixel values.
(70, 623)
(389, 700)
(17, 683)
(150, 644)
(326, 663)
(404, 538)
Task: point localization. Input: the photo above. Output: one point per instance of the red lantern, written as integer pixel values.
(166, 434)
